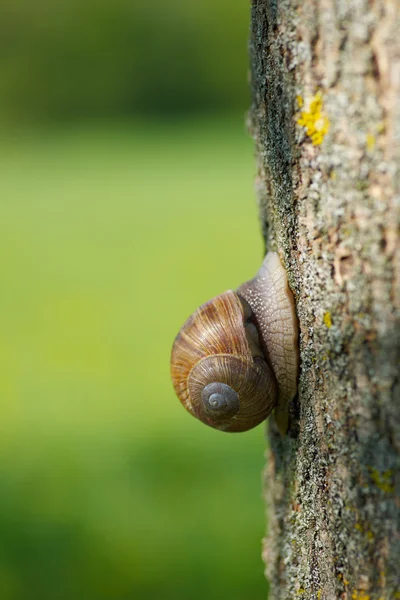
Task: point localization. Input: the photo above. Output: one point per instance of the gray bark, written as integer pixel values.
(329, 203)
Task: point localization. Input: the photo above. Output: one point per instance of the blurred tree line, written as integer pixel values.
(74, 59)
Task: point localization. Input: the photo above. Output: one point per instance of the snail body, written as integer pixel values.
(236, 358)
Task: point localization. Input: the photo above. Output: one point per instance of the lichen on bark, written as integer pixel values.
(330, 205)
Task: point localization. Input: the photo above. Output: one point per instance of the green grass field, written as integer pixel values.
(109, 238)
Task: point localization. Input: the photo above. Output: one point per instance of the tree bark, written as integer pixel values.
(325, 117)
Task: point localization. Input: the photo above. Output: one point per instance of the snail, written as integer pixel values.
(236, 358)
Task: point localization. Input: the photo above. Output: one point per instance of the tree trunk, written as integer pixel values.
(326, 121)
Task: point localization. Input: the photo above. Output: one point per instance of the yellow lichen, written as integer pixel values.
(319, 594)
(370, 141)
(300, 101)
(314, 120)
(370, 536)
(382, 480)
(360, 595)
(328, 319)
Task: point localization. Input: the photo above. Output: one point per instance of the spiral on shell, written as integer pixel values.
(237, 358)
(218, 370)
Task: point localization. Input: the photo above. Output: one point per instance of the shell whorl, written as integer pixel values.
(214, 371)
(220, 400)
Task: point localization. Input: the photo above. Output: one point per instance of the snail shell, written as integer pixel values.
(236, 358)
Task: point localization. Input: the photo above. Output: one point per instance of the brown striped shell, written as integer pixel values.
(237, 356)
(218, 370)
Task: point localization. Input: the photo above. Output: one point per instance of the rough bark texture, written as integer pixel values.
(326, 122)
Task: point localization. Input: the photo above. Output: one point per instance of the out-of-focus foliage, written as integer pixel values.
(113, 229)
(78, 58)
(109, 239)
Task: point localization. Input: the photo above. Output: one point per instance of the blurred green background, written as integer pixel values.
(126, 182)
